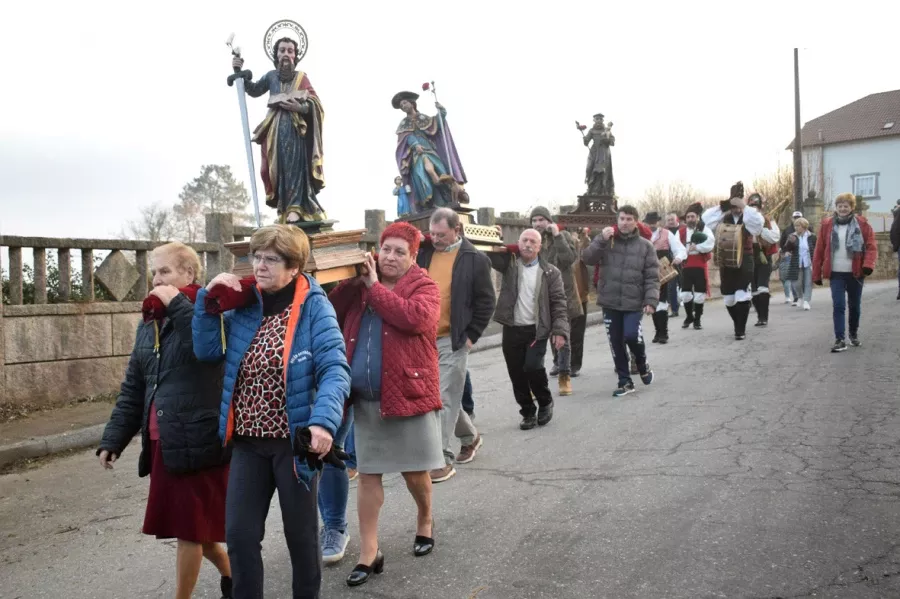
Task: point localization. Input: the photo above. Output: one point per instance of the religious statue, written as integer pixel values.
(599, 173)
(290, 136)
(401, 190)
(426, 156)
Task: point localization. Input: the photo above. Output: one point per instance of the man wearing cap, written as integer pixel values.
(699, 241)
(667, 246)
(736, 280)
(790, 293)
(558, 249)
(765, 247)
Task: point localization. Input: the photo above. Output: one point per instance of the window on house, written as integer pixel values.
(865, 185)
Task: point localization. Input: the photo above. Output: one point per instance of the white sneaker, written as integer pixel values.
(806, 305)
(787, 301)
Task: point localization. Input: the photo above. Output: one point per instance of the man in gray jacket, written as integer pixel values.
(628, 288)
(532, 309)
(558, 249)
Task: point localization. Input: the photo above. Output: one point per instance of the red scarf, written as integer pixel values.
(222, 298)
(153, 308)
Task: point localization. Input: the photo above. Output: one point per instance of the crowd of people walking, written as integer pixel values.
(249, 386)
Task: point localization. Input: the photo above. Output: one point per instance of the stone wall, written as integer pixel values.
(52, 354)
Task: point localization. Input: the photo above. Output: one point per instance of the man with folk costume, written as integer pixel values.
(735, 225)
(667, 245)
(699, 241)
(765, 246)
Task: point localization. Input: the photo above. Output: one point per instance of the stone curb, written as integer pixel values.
(43, 446)
(90, 436)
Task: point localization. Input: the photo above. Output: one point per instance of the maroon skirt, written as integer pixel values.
(190, 507)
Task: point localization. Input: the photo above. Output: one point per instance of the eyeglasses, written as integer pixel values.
(268, 259)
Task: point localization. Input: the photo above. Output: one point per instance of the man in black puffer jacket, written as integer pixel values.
(628, 288)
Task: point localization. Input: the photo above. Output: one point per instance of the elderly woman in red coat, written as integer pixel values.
(389, 317)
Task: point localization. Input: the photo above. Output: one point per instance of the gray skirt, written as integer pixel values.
(387, 445)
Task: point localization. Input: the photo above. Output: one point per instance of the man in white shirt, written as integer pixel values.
(700, 242)
(765, 247)
(667, 245)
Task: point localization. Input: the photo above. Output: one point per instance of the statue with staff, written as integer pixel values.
(599, 173)
(426, 155)
(290, 136)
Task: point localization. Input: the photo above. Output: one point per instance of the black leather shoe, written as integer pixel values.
(225, 585)
(554, 371)
(360, 574)
(545, 414)
(528, 423)
(424, 545)
(575, 372)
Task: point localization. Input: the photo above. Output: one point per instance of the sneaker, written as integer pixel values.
(795, 303)
(838, 346)
(575, 373)
(647, 377)
(740, 336)
(528, 423)
(806, 306)
(352, 474)
(624, 389)
(439, 475)
(787, 300)
(334, 545)
(545, 414)
(467, 452)
(854, 341)
(553, 371)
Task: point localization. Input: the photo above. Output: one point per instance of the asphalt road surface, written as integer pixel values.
(760, 469)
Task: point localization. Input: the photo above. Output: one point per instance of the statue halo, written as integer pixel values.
(286, 28)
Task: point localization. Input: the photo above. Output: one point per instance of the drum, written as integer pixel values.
(729, 245)
(667, 271)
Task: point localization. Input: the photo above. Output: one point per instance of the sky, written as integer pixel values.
(111, 106)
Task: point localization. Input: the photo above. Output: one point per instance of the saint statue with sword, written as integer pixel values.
(290, 136)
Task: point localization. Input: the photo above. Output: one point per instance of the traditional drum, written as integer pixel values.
(667, 271)
(729, 245)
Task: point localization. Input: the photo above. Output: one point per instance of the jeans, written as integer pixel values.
(577, 334)
(524, 356)
(562, 358)
(805, 280)
(845, 290)
(259, 467)
(624, 329)
(468, 402)
(334, 487)
(673, 292)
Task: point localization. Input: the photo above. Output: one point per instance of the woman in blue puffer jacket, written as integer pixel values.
(285, 369)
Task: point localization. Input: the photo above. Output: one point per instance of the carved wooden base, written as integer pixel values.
(480, 235)
(593, 212)
(334, 256)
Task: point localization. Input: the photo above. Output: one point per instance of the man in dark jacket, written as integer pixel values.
(895, 239)
(467, 303)
(627, 289)
(558, 249)
(532, 308)
(789, 293)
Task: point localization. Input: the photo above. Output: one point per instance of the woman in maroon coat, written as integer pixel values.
(389, 317)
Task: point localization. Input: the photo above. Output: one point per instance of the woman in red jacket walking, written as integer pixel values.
(845, 255)
(390, 328)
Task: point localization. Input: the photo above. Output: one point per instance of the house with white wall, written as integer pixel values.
(855, 148)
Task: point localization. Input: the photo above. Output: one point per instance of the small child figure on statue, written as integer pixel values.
(402, 192)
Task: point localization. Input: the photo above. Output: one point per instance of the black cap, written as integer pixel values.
(651, 218)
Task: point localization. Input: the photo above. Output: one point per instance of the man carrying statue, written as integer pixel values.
(290, 136)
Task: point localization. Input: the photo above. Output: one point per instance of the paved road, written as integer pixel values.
(761, 469)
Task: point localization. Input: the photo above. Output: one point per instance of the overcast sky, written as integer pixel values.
(108, 107)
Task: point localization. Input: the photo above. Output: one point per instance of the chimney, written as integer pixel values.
(820, 135)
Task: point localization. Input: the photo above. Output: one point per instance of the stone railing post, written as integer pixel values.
(3, 394)
(375, 225)
(219, 230)
(486, 217)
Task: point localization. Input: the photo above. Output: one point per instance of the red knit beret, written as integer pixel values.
(404, 231)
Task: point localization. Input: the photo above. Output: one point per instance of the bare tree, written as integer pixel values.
(674, 196)
(154, 223)
(778, 189)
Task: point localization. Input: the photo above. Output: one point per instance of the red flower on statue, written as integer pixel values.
(582, 127)
(426, 86)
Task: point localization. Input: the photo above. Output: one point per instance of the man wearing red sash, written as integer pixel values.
(667, 245)
(699, 241)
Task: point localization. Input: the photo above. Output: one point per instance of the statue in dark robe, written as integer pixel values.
(599, 173)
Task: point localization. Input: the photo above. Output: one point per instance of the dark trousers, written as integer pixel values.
(468, 402)
(524, 357)
(576, 332)
(623, 329)
(259, 467)
(846, 293)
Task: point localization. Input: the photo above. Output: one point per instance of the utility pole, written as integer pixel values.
(798, 147)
